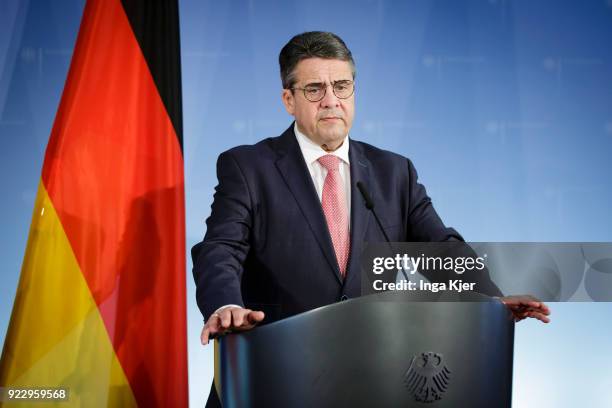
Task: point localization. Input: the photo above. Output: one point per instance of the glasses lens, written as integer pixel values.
(314, 93)
(343, 89)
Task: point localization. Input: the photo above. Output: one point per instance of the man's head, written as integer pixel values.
(318, 65)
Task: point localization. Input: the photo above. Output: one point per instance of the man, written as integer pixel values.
(288, 223)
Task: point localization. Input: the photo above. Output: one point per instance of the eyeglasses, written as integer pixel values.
(316, 92)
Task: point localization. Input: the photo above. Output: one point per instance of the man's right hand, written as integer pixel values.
(231, 318)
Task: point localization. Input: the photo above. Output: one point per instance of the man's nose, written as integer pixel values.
(330, 99)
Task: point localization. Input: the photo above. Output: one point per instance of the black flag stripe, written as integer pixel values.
(155, 24)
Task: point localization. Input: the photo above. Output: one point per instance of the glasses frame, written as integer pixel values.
(325, 91)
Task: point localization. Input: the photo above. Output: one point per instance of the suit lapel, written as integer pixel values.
(294, 171)
(360, 215)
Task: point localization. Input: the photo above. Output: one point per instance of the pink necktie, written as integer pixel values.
(335, 209)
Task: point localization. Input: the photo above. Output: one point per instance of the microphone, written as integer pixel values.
(369, 204)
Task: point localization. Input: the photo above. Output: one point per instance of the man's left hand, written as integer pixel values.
(523, 306)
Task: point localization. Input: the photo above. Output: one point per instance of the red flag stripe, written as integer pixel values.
(114, 172)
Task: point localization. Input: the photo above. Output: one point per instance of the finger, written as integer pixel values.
(250, 320)
(540, 316)
(212, 327)
(544, 309)
(225, 317)
(255, 316)
(520, 316)
(204, 336)
(531, 306)
(535, 315)
(519, 313)
(238, 317)
(534, 304)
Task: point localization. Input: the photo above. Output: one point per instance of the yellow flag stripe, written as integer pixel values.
(56, 336)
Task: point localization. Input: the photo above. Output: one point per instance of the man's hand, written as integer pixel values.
(228, 319)
(523, 306)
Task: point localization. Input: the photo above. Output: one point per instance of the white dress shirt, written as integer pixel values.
(312, 152)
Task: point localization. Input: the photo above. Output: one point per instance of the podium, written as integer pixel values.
(381, 350)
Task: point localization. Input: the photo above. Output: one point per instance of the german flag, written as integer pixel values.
(100, 307)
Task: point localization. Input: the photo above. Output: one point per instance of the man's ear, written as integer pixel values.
(288, 101)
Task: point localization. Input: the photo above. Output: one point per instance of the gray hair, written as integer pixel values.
(311, 44)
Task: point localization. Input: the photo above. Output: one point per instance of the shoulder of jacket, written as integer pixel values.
(251, 151)
(377, 154)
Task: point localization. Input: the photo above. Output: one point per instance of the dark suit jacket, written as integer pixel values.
(267, 246)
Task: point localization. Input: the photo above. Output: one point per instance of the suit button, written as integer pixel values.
(344, 297)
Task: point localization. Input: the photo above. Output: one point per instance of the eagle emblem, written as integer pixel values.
(428, 377)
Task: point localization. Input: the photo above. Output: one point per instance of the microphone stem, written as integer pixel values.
(369, 204)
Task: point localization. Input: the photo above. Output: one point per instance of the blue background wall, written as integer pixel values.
(505, 107)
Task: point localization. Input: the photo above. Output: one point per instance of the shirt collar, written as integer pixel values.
(313, 151)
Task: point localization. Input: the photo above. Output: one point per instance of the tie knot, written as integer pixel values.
(330, 162)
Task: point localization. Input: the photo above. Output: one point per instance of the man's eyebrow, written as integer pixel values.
(315, 84)
(323, 83)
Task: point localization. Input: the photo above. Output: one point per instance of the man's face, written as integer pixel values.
(328, 121)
